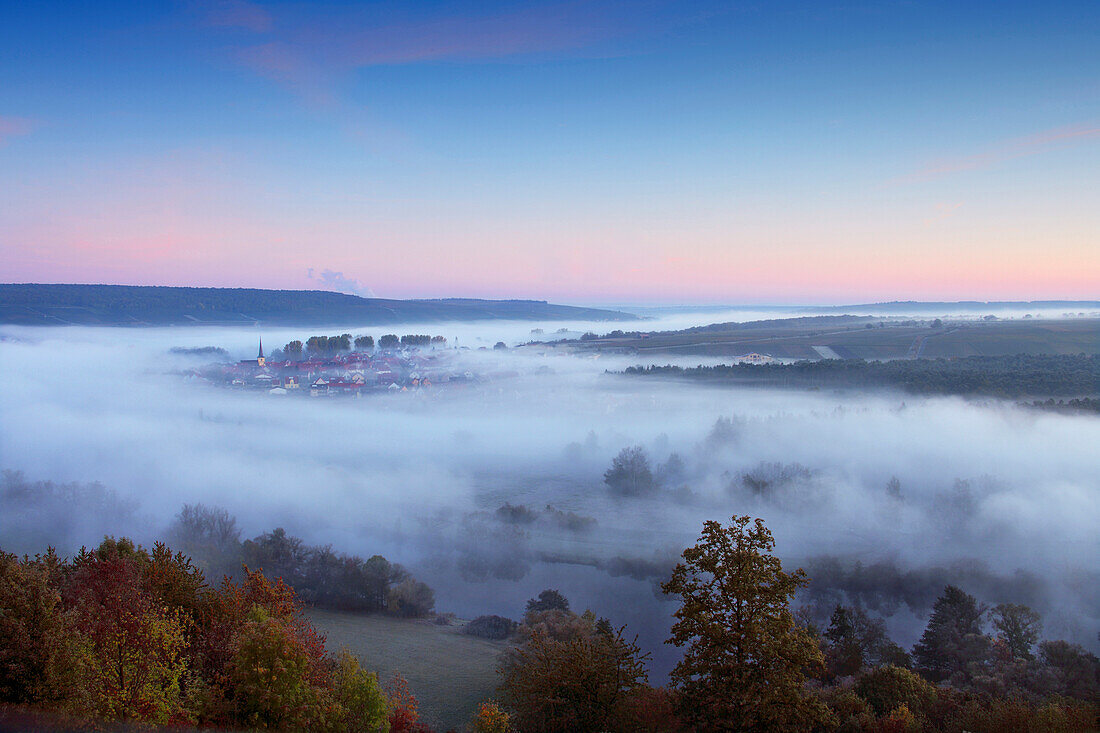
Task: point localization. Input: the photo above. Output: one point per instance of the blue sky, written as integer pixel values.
(582, 151)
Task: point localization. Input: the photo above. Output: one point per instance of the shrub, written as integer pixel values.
(490, 627)
(516, 514)
(889, 687)
(489, 718)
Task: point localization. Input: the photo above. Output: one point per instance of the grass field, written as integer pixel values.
(449, 672)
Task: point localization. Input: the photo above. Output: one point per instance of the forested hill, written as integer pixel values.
(131, 305)
(1021, 375)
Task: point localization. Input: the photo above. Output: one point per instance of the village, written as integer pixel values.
(400, 368)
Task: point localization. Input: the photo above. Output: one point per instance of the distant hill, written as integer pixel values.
(860, 337)
(134, 305)
(899, 308)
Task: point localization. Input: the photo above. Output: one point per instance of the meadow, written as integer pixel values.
(448, 671)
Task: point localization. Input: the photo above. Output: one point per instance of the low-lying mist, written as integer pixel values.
(494, 491)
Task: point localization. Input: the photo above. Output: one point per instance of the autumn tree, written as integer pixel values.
(582, 682)
(364, 342)
(362, 703)
(271, 674)
(745, 659)
(136, 646)
(38, 640)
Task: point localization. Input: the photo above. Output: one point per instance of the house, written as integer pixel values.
(755, 358)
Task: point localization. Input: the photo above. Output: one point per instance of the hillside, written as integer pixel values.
(131, 305)
(860, 337)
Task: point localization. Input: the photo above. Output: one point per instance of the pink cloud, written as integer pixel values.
(14, 127)
(1040, 142)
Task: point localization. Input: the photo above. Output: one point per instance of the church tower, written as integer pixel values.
(260, 360)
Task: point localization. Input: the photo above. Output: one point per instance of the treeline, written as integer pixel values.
(1003, 376)
(1079, 404)
(121, 633)
(750, 663)
(331, 345)
(320, 575)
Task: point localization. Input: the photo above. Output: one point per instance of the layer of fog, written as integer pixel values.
(1000, 499)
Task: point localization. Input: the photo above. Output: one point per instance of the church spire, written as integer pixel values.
(261, 354)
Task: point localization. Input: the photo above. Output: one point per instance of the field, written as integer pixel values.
(852, 337)
(449, 672)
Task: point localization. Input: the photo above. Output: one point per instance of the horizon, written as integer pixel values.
(589, 152)
(610, 304)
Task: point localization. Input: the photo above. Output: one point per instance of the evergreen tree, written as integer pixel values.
(953, 637)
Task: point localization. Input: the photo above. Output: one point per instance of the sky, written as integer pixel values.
(580, 151)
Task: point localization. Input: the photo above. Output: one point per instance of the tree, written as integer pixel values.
(745, 659)
(293, 350)
(582, 682)
(856, 640)
(38, 642)
(271, 674)
(548, 600)
(362, 703)
(630, 474)
(410, 598)
(389, 341)
(953, 637)
(135, 656)
(937, 323)
(210, 536)
(893, 488)
(1075, 671)
(1018, 627)
(279, 554)
(672, 469)
(364, 342)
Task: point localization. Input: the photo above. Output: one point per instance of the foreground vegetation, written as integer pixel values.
(1021, 375)
(125, 634)
(121, 633)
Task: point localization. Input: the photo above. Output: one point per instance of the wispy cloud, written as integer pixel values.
(236, 14)
(14, 127)
(337, 281)
(1040, 142)
(312, 52)
(943, 211)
